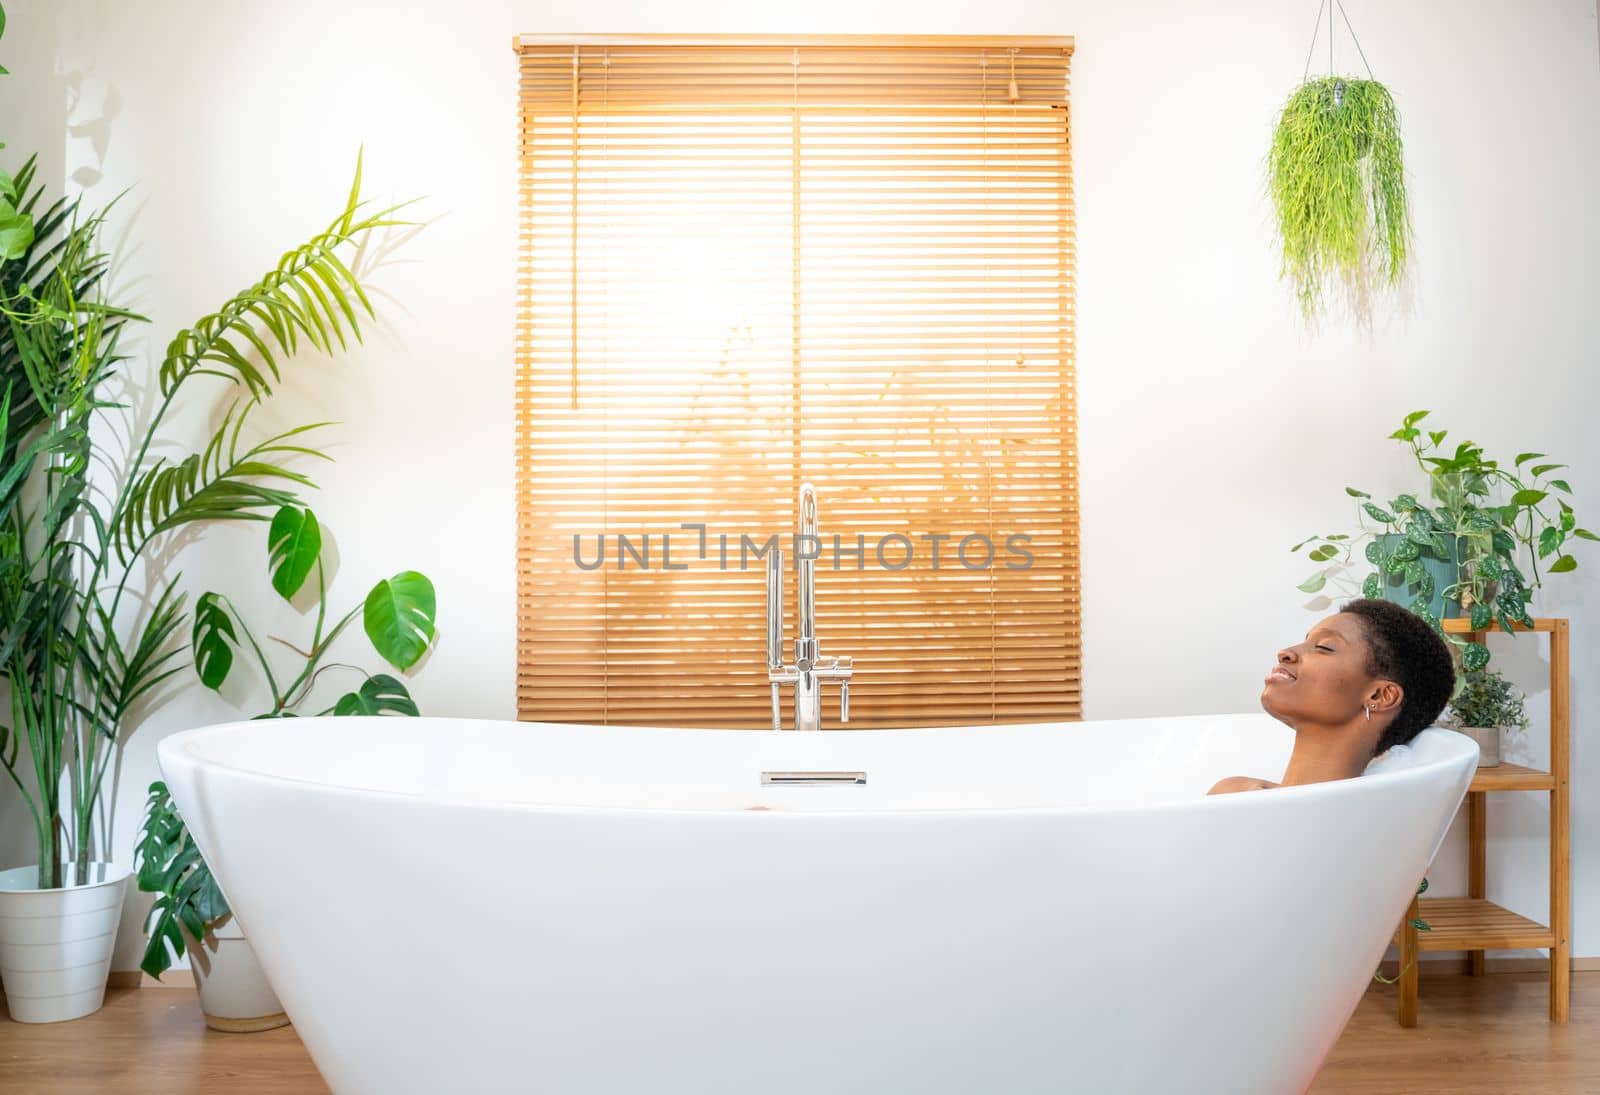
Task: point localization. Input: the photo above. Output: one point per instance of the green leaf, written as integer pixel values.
(220, 483)
(1563, 564)
(1374, 553)
(1543, 469)
(1523, 458)
(1503, 543)
(1528, 497)
(1482, 616)
(16, 232)
(1474, 656)
(399, 618)
(214, 639)
(1436, 436)
(1353, 493)
(294, 543)
(1561, 485)
(1416, 416)
(1414, 573)
(1378, 514)
(1584, 534)
(1324, 553)
(1313, 583)
(1422, 888)
(1372, 587)
(1549, 540)
(1405, 502)
(1488, 568)
(378, 694)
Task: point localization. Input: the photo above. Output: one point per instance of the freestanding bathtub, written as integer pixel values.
(454, 906)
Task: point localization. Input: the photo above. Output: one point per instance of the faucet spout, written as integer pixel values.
(810, 669)
(807, 548)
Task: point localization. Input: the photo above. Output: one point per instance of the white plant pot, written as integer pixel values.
(1488, 739)
(55, 945)
(234, 993)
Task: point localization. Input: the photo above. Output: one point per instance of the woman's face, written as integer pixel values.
(1323, 679)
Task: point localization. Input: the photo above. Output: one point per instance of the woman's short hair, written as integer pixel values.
(1402, 647)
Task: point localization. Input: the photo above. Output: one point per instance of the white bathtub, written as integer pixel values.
(451, 906)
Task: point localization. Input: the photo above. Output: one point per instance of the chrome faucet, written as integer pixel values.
(809, 669)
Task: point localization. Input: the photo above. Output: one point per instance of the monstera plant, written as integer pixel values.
(1459, 548)
(398, 616)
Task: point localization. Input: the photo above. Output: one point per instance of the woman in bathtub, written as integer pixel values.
(1367, 678)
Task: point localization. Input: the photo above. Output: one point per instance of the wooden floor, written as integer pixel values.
(1478, 1036)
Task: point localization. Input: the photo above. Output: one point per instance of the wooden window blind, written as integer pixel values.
(745, 263)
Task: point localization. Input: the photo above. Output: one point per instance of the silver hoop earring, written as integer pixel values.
(1368, 706)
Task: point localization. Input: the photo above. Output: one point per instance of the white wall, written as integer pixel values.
(1215, 432)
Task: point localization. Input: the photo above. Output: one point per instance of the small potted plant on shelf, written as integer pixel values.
(1459, 548)
(1486, 707)
(190, 914)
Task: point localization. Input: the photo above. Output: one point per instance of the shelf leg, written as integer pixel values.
(1409, 968)
(1477, 862)
(1560, 822)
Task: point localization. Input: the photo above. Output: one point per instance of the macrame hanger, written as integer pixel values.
(1316, 29)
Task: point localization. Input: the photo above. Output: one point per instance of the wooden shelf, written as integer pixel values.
(1512, 777)
(1462, 626)
(1472, 923)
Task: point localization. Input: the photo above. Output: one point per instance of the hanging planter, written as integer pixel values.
(1337, 180)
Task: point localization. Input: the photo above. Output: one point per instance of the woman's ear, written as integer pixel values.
(1386, 698)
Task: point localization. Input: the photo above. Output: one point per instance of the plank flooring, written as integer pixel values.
(1478, 1036)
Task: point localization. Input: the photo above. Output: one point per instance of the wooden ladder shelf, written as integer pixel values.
(1473, 923)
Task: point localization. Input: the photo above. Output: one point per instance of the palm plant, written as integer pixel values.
(77, 650)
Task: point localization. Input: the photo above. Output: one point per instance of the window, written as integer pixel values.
(746, 263)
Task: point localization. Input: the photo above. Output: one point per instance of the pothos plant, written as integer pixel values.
(1480, 518)
(398, 616)
(1420, 925)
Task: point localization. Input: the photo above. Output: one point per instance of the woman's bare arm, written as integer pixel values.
(1240, 783)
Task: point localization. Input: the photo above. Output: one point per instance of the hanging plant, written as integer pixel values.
(1337, 180)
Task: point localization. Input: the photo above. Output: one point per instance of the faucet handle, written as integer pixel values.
(844, 700)
(777, 706)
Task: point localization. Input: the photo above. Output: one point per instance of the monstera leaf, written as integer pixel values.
(379, 694)
(214, 640)
(294, 542)
(399, 617)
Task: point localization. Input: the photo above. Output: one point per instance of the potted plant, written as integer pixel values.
(1484, 708)
(82, 650)
(1460, 548)
(1337, 180)
(190, 914)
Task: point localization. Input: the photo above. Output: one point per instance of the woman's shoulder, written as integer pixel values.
(1239, 783)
